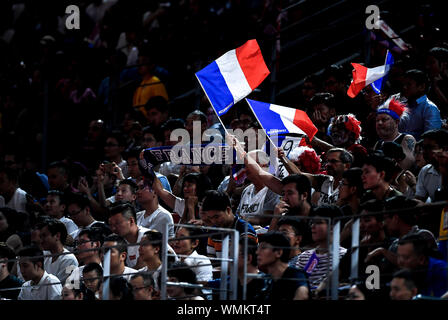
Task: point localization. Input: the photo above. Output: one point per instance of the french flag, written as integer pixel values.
(363, 76)
(233, 76)
(279, 120)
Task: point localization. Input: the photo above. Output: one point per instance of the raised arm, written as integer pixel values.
(165, 195)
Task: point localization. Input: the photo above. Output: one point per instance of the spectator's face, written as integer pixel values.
(91, 280)
(116, 258)
(149, 141)
(56, 179)
(291, 196)
(145, 65)
(139, 290)
(84, 243)
(174, 291)
(155, 117)
(386, 126)
(266, 255)
(339, 135)
(28, 269)
(429, 146)
(217, 218)
(432, 67)
(133, 169)
(120, 225)
(346, 192)
(319, 230)
(95, 129)
(391, 224)
(407, 258)
(77, 214)
(369, 225)
(144, 193)
(3, 223)
(419, 159)
(68, 294)
(35, 237)
(185, 246)
(308, 90)
(53, 206)
(399, 291)
(442, 159)
(331, 85)
(410, 89)
(370, 177)
(124, 193)
(189, 124)
(288, 231)
(146, 250)
(48, 241)
(335, 167)
(189, 189)
(112, 149)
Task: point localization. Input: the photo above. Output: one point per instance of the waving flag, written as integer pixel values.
(378, 84)
(233, 76)
(279, 120)
(363, 76)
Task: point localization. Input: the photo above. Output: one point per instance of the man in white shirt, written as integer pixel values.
(429, 178)
(39, 284)
(118, 256)
(61, 263)
(78, 210)
(154, 216)
(122, 221)
(11, 195)
(55, 208)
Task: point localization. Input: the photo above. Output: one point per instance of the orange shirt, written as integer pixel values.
(151, 86)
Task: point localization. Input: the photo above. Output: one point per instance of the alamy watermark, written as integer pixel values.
(373, 18)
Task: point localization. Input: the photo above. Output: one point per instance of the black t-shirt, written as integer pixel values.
(10, 282)
(253, 288)
(284, 288)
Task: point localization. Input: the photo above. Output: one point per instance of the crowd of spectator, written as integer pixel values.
(76, 113)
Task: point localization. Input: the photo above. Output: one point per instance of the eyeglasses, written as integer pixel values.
(72, 214)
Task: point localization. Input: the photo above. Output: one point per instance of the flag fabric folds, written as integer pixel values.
(279, 120)
(363, 76)
(233, 76)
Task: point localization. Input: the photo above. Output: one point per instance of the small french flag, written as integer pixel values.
(233, 76)
(238, 173)
(279, 120)
(363, 76)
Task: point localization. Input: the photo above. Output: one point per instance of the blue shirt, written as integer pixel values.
(436, 278)
(421, 115)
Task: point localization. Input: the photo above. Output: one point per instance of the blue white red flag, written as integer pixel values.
(278, 120)
(233, 76)
(363, 76)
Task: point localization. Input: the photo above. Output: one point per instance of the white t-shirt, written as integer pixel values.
(69, 224)
(61, 267)
(44, 291)
(201, 266)
(128, 272)
(132, 257)
(328, 195)
(179, 206)
(17, 202)
(155, 275)
(156, 220)
(429, 179)
(253, 203)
